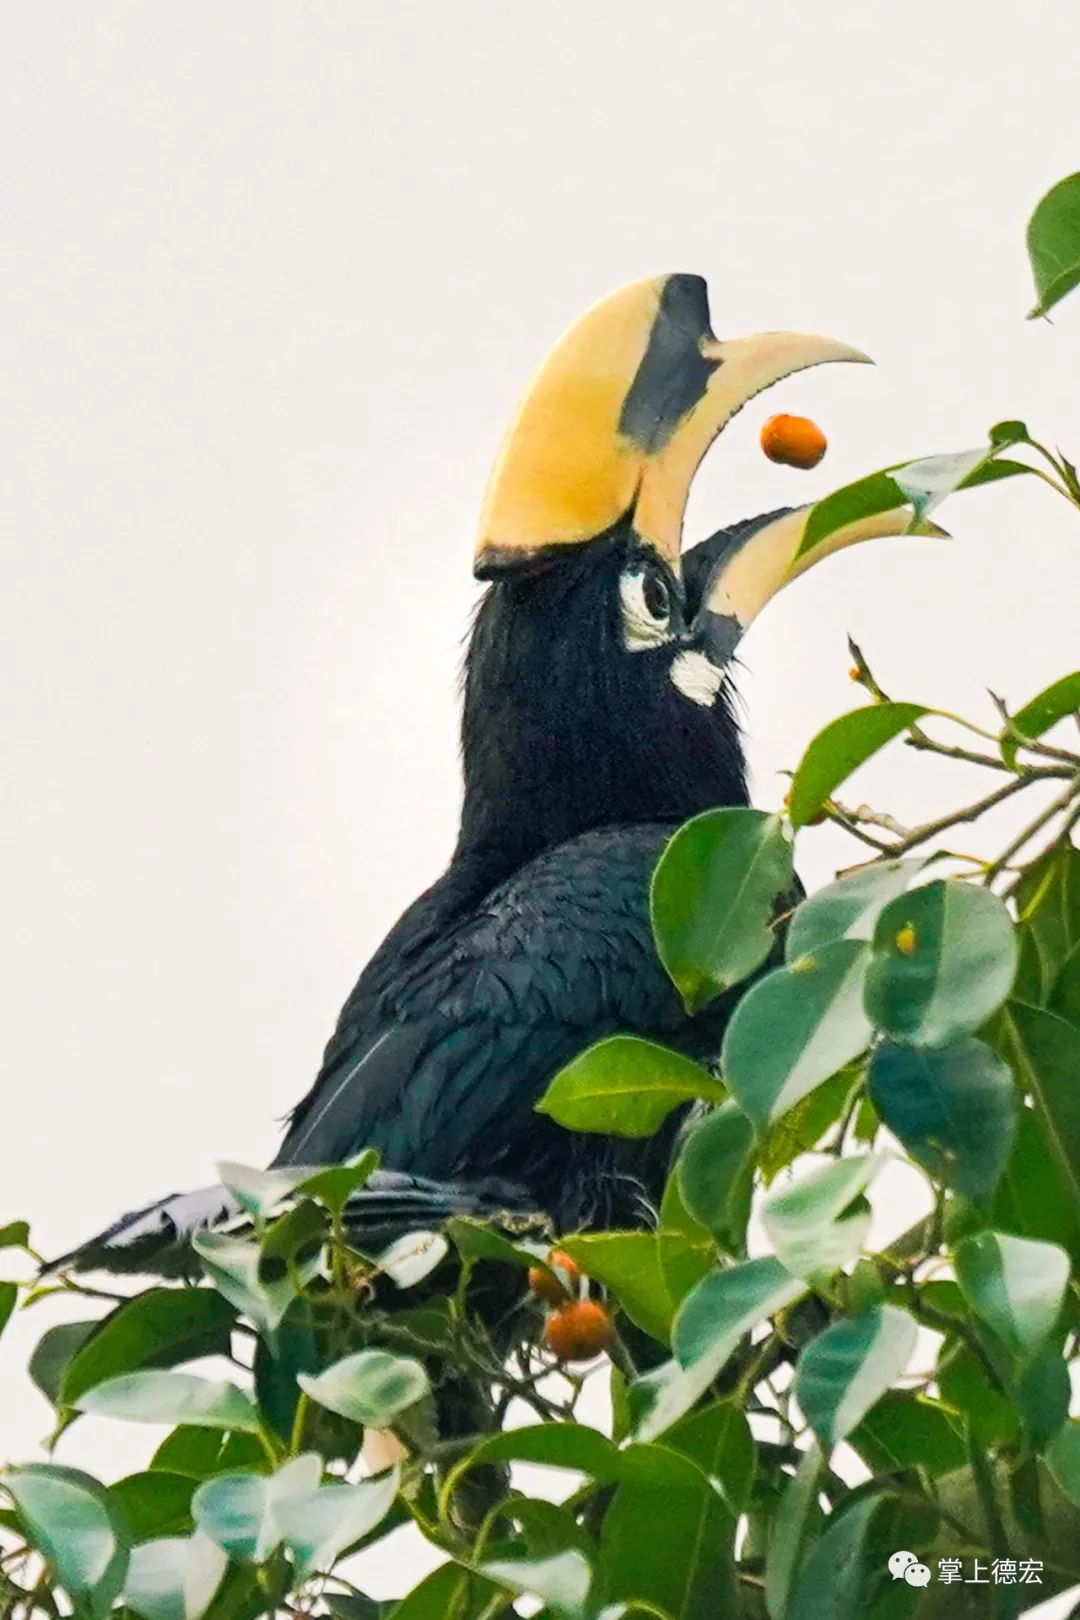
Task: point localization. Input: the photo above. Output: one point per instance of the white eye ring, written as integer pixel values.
(641, 629)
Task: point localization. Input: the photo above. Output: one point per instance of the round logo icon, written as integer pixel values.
(904, 1566)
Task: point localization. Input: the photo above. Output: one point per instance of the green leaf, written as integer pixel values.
(687, 1572)
(836, 1579)
(725, 1306)
(355, 1606)
(965, 1385)
(880, 492)
(1042, 1048)
(795, 1521)
(1014, 1285)
(902, 1431)
(574, 1446)
(475, 1240)
(719, 1440)
(713, 898)
(200, 1453)
(803, 1221)
(1041, 1394)
(1033, 1197)
(624, 1086)
(154, 1503)
(9, 1294)
(158, 1328)
(54, 1353)
(716, 1174)
(335, 1185)
(687, 1249)
(632, 1265)
(850, 1366)
(260, 1192)
(239, 1511)
(584, 1450)
(796, 1028)
(1011, 432)
(233, 1265)
(15, 1235)
(413, 1257)
(954, 1108)
(838, 750)
(802, 1127)
(279, 1358)
(171, 1397)
(657, 1399)
(371, 1387)
(1053, 243)
(319, 1526)
(448, 1593)
(69, 1518)
(174, 1578)
(562, 1582)
(944, 959)
(932, 479)
(866, 497)
(1048, 901)
(295, 1236)
(848, 908)
(1054, 703)
(1065, 995)
(1063, 1460)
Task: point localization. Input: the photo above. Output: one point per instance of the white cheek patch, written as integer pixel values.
(697, 677)
(640, 629)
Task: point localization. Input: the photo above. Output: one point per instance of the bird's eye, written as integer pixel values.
(646, 608)
(655, 595)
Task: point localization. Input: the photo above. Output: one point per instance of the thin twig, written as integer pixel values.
(929, 745)
(971, 812)
(867, 816)
(834, 813)
(1055, 807)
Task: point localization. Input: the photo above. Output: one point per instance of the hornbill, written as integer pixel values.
(597, 717)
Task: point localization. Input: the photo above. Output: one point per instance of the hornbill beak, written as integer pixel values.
(752, 569)
(618, 419)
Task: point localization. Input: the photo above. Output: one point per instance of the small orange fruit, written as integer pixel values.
(907, 940)
(854, 673)
(793, 441)
(557, 1289)
(579, 1331)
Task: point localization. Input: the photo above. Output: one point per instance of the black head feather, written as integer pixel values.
(565, 729)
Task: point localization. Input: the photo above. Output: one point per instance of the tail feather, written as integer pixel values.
(156, 1241)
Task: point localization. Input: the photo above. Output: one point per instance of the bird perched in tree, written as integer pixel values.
(597, 718)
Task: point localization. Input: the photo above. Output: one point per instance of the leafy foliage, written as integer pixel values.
(923, 1010)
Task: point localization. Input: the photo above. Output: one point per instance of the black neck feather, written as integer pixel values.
(565, 730)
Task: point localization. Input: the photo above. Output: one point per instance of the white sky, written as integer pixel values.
(271, 277)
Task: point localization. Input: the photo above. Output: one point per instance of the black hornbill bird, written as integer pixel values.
(597, 718)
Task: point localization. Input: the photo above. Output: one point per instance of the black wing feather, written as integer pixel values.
(444, 1049)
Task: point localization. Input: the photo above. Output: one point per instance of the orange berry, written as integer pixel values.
(557, 1289)
(906, 940)
(579, 1331)
(794, 441)
(854, 673)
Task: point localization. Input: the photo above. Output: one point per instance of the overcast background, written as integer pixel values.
(271, 278)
